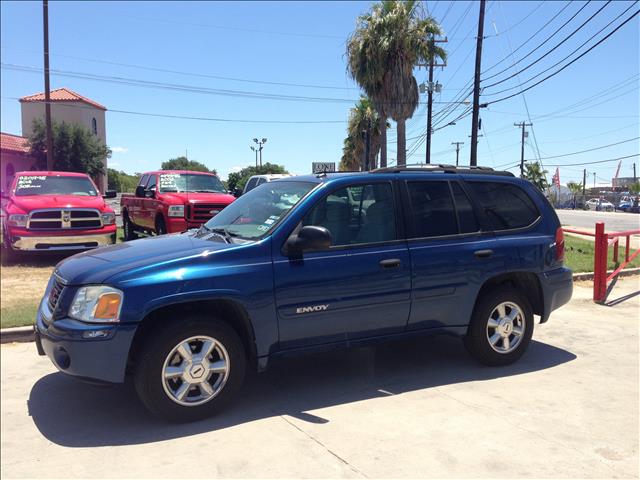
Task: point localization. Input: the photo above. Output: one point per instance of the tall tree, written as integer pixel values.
(362, 116)
(183, 163)
(536, 174)
(388, 42)
(75, 149)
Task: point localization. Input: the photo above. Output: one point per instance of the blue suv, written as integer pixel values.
(307, 263)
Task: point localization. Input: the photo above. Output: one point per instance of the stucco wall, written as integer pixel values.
(13, 161)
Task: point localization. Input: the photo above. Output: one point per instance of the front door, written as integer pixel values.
(360, 286)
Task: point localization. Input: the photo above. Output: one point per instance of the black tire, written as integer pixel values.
(9, 255)
(161, 227)
(477, 339)
(127, 226)
(148, 370)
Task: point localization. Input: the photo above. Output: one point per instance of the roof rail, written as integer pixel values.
(430, 167)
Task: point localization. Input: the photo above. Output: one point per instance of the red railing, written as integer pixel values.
(603, 240)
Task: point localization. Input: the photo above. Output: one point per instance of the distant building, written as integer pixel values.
(14, 157)
(66, 106)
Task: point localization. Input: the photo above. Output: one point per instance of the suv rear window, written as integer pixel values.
(506, 206)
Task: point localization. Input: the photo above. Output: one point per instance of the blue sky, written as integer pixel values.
(304, 43)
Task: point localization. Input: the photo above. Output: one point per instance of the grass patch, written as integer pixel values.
(19, 315)
(579, 255)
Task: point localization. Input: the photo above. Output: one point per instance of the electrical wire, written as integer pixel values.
(588, 150)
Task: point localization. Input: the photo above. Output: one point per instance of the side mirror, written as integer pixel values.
(237, 192)
(139, 191)
(310, 237)
(109, 194)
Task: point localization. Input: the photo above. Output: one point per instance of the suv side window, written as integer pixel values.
(466, 217)
(506, 206)
(358, 214)
(251, 184)
(432, 209)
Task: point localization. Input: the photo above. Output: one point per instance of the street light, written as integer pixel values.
(260, 144)
(255, 150)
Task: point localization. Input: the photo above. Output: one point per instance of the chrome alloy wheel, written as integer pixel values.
(195, 371)
(505, 327)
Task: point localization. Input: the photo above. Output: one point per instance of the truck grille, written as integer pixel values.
(64, 218)
(201, 212)
(54, 294)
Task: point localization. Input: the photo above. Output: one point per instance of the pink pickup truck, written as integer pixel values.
(170, 201)
(51, 211)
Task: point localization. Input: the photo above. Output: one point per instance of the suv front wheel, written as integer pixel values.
(186, 371)
(501, 327)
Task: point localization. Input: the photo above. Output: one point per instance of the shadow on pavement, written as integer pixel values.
(71, 413)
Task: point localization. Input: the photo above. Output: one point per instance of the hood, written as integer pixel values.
(220, 198)
(28, 203)
(97, 266)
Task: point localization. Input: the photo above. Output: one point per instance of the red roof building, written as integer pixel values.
(14, 157)
(62, 95)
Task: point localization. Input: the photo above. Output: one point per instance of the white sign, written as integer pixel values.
(323, 167)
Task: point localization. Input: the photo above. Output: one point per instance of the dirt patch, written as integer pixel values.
(20, 285)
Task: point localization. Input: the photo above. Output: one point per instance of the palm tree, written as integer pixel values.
(388, 42)
(576, 189)
(536, 175)
(361, 117)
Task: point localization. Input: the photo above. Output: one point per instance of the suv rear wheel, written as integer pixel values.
(501, 327)
(188, 370)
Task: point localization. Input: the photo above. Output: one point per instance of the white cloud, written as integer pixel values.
(119, 149)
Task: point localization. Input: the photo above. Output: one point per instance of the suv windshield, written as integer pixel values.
(58, 185)
(192, 183)
(255, 213)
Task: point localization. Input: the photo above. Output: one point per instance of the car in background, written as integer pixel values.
(599, 204)
(171, 201)
(47, 211)
(257, 180)
(629, 204)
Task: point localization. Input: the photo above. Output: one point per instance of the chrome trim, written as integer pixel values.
(65, 222)
(62, 242)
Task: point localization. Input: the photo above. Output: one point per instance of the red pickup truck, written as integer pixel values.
(51, 211)
(170, 201)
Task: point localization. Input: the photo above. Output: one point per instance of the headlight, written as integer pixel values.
(18, 220)
(97, 303)
(108, 218)
(176, 211)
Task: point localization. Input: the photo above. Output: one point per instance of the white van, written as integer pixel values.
(256, 180)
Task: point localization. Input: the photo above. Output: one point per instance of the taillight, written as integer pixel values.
(559, 244)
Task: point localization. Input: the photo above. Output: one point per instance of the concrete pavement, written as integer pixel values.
(613, 221)
(419, 408)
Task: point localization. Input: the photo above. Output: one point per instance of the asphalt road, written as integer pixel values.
(613, 221)
(420, 408)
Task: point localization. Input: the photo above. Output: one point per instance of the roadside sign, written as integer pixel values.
(323, 167)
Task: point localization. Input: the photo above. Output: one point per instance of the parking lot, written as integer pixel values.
(420, 408)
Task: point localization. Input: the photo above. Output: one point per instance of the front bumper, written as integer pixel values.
(557, 289)
(179, 224)
(66, 242)
(70, 346)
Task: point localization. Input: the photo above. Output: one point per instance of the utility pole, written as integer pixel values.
(457, 144)
(522, 125)
(473, 161)
(255, 150)
(47, 88)
(260, 144)
(367, 148)
(594, 179)
(430, 88)
(584, 181)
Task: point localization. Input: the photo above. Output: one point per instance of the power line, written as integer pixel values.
(570, 63)
(588, 150)
(208, 119)
(592, 163)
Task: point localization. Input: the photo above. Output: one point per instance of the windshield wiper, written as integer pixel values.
(224, 233)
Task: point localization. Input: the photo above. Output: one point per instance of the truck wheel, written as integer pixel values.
(161, 228)
(127, 226)
(9, 255)
(188, 370)
(501, 327)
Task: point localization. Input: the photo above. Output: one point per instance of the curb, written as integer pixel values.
(17, 334)
(25, 334)
(623, 273)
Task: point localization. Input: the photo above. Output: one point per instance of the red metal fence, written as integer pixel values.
(603, 240)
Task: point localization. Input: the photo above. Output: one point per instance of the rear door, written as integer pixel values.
(360, 286)
(449, 253)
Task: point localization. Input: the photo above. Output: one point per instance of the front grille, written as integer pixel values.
(54, 294)
(64, 219)
(201, 212)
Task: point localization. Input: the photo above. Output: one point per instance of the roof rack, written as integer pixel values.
(430, 167)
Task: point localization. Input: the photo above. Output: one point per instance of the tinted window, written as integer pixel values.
(250, 184)
(144, 179)
(506, 206)
(432, 209)
(54, 185)
(466, 217)
(357, 214)
(152, 182)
